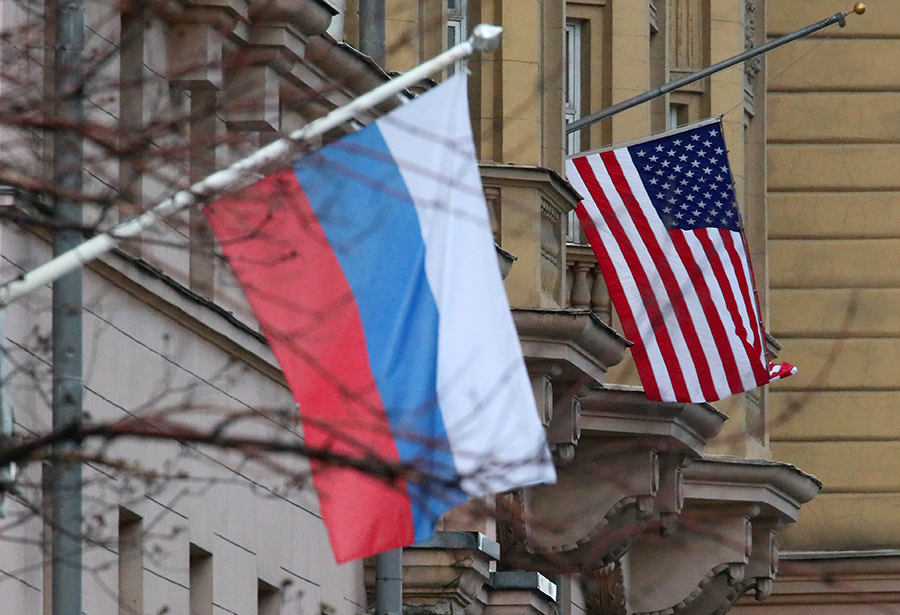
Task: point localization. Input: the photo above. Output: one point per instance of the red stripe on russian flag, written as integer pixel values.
(317, 336)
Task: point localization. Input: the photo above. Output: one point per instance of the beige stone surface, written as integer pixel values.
(735, 437)
(830, 117)
(881, 17)
(630, 72)
(845, 521)
(858, 312)
(835, 65)
(521, 225)
(834, 263)
(842, 364)
(401, 24)
(520, 42)
(519, 144)
(844, 167)
(834, 214)
(828, 461)
(834, 222)
(797, 416)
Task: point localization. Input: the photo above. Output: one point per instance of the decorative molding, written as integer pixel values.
(604, 590)
(690, 39)
(512, 529)
(581, 345)
(817, 580)
(552, 242)
(753, 66)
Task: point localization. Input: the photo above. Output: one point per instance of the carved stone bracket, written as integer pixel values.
(709, 551)
(624, 478)
(724, 542)
(566, 352)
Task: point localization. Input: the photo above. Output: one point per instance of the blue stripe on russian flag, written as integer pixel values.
(370, 221)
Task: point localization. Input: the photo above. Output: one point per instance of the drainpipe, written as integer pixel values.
(65, 472)
(371, 29)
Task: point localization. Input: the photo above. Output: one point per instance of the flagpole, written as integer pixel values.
(602, 114)
(484, 38)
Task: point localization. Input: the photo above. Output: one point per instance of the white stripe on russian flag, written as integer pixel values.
(495, 434)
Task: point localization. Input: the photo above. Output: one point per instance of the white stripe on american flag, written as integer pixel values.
(747, 291)
(713, 349)
(623, 277)
(685, 286)
(638, 241)
(673, 357)
(744, 369)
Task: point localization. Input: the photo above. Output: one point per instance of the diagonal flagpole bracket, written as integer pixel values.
(485, 38)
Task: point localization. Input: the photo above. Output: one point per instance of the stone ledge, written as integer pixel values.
(475, 541)
(524, 579)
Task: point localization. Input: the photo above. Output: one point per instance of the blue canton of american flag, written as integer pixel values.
(688, 179)
(663, 220)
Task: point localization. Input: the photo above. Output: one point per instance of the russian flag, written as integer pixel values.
(371, 267)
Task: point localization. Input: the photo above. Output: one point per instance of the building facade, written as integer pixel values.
(832, 201)
(660, 507)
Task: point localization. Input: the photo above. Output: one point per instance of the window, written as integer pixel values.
(572, 90)
(573, 83)
(131, 563)
(201, 582)
(678, 116)
(456, 29)
(268, 599)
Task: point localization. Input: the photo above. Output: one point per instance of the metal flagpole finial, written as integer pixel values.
(859, 8)
(485, 37)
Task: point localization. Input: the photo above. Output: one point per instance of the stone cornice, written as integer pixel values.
(310, 17)
(780, 486)
(576, 338)
(621, 410)
(541, 177)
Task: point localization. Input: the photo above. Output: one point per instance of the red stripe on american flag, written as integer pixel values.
(742, 274)
(710, 311)
(632, 262)
(790, 369)
(617, 293)
(662, 261)
(716, 261)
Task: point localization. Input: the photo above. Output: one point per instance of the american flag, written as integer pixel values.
(662, 218)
